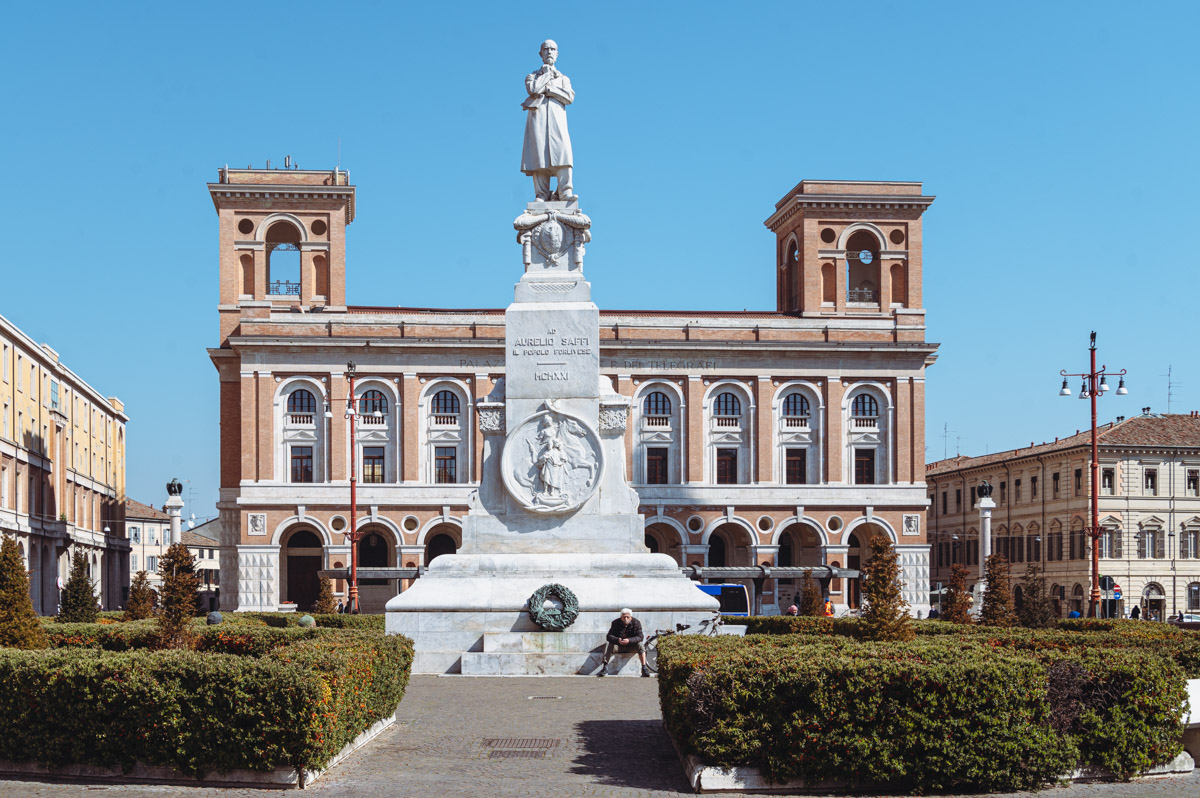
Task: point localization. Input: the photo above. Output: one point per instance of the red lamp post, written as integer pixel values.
(1095, 384)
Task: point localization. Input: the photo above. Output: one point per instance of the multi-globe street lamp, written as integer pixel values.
(1095, 385)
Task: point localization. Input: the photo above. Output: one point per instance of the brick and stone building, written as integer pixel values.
(62, 471)
(204, 544)
(1149, 512)
(149, 531)
(782, 437)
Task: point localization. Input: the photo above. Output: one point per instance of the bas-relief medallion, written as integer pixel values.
(552, 462)
(257, 523)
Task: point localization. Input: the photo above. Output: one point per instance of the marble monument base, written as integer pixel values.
(468, 613)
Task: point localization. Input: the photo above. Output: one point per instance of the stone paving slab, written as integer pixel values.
(466, 736)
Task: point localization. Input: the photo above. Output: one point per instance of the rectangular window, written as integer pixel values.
(974, 495)
(1054, 485)
(796, 467)
(1016, 491)
(135, 534)
(1193, 597)
(656, 466)
(302, 464)
(1032, 488)
(20, 374)
(373, 464)
(864, 466)
(445, 465)
(1151, 481)
(6, 363)
(151, 537)
(133, 563)
(727, 466)
(1078, 481)
(151, 563)
(1108, 481)
(957, 499)
(54, 404)
(1192, 482)
(944, 511)
(1004, 493)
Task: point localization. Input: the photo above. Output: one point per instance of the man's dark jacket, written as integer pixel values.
(619, 629)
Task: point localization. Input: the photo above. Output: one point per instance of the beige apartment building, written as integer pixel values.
(1149, 501)
(788, 436)
(62, 471)
(149, 531)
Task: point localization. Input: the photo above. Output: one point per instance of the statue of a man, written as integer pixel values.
(547, 151)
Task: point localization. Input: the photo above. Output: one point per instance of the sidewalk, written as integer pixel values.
(523, 738)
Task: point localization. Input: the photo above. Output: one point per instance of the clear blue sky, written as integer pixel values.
(1059, 138)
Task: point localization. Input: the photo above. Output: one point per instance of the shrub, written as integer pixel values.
(1037, 612)
(19, 624)
(281, 620)
(997, 599)
(78, 602)
(180, 596)
(141, 598)
(956, 604)
(886, 613)
(942, 712)
(297, 704)
(325, 604)
(812, 603)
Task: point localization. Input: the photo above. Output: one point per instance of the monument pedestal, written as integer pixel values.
(553, 505)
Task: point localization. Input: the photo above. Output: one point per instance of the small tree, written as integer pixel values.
(19, 624)
(325, 602)
(141, 598)
(997, 600)
(810, 600)
(180, 596)
(956, 603)
(886, 613)
(78, 603)
(1036, 610)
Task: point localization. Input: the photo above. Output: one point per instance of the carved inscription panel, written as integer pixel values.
(552, 353)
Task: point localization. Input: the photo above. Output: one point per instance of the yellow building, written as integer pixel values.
(62, 471)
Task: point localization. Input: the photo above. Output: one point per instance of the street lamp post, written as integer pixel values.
(1095, 384)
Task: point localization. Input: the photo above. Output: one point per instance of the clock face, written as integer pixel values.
(866, 256)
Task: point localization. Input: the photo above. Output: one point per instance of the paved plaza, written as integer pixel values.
(523, 738)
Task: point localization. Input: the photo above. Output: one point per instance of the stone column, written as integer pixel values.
(175, 511)
(986, 505)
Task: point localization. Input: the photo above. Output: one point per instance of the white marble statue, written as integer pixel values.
(547, 150)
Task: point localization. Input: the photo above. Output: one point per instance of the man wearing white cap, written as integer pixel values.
(625, 634)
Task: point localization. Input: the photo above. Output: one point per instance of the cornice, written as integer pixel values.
(846, 202)
(222, 191)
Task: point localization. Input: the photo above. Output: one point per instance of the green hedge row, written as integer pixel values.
(938, 713)
(1077, 635)
(248, 698)
(289, 619)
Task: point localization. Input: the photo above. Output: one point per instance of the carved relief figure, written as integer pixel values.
(553, 462)
(547, 150)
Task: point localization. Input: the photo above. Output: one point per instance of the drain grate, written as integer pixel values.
(545, 698)
(521, 742)
(516, 754)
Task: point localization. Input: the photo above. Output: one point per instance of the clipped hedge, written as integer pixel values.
(331, 620)
(938, 713)
(250, 698)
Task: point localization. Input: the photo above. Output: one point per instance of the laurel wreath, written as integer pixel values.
(553, 618)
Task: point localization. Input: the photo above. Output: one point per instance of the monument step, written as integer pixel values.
(545, 664)
(543, 642)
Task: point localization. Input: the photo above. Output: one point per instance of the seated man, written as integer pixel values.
(624, 634)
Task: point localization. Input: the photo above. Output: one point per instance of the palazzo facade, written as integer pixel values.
(1149, 500)
(784, 437)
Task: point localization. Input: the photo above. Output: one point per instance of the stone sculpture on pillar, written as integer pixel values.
(986, 505)
(174, 508)
(547, 150)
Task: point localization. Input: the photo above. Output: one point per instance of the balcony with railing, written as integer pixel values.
(868, 296)
(865, 422)
(283, 288)
(301, 419)
(445, 419)
(658, 422)
(795, 422)
(371, 420)
(727, 421)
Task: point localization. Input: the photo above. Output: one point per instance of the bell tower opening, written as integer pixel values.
(283, 260)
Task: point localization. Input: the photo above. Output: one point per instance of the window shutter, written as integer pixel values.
(1183, 545)
(1160, 545)
(1117, 535)
(1141, 545)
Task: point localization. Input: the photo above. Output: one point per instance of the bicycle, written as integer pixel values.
(652, 644)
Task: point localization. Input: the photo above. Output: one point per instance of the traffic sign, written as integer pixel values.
(1116, 590)
(1106, 583)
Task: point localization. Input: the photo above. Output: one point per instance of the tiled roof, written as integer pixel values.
(135, 509)
(1175, 430)
(190, 538)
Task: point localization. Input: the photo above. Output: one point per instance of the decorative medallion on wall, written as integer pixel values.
(912, 525)
(546, 613)
(257, 523)
(552, 461)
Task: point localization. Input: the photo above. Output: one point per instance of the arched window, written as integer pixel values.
(372, 402)
(795, 406)
(445, 403)
(657, 404)
(727, 405)
(1193, 597)
(865, 407)
(301, 401)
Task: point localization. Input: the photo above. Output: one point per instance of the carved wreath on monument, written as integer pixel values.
(552, 461)
(553, 617)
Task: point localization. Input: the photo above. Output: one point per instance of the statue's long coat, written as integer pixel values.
(547, 143)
